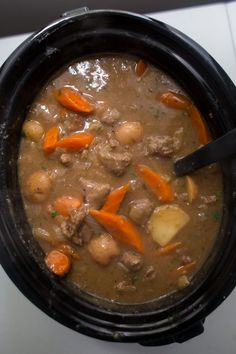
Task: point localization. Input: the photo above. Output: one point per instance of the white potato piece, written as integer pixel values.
(103, 249)
(37, 187)
(192, 189)
(33, 130)
(166, 221)
(129, 133)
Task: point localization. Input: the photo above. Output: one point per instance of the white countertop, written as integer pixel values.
(24, 329)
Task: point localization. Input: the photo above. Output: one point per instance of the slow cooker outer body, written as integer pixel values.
(21, 77)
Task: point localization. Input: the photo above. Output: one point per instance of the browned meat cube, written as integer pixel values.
(125, 287)
(150, 273)
(66, 160)
(140, 210)
(110, 116)
(68, 229)
(77, 215)
(95, 193)
(132, 260)
(114, 161)
(160, 145)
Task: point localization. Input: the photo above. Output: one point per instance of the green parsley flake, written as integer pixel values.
(54, 214)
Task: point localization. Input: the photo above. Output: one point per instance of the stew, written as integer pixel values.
(96, 174)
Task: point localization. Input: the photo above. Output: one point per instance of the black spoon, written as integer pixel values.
(216, 150)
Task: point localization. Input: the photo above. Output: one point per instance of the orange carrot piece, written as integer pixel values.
(199, 125)
(185, 268)
(140, 68)
(65, 204)
(114, 199)
(178, 101)
(72, 100)
(75, 142)
(58, 263)
(162, 251)
(162, 189)
(50, 140)
(175, 100)
(120, 228)
(68, 250)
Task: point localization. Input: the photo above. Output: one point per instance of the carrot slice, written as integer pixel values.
(65, 204)
(72, 100)
(185, 268)
(68, 250)
(162, 251)
(58, 263)
(175, 100)
(162, 189)
(198, 125)
(114, 199)
(50, 140)
(120, 228)
(140, 68)
(75, 142)
(178, 101)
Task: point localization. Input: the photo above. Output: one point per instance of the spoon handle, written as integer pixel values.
(216, 150)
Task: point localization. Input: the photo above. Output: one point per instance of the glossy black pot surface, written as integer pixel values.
(172, 319)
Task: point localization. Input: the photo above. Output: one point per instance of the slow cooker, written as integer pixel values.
(75, 35)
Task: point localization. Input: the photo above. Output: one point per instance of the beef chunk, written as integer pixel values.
(132, 260)
(114, 161)
(164, 145)
(94, 226)
(109, 116)
(95, 193)
(78, 215)
(73, 228)
(66, 159)
(86, 233)
(78, 241)
(149, 273)
(112, 141)
(70, 226)
(68, 229)
(140, 210)
(83, 235)
(124, 286)
(160, 145)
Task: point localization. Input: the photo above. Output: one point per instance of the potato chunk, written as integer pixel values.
(129, 133)
(33, 130)
(165, 222)
(37, 187)
(103, 249)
